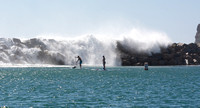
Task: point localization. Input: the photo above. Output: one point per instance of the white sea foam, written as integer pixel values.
(143, 40)
(90, 48)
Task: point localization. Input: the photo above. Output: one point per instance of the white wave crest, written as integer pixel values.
(90, 48)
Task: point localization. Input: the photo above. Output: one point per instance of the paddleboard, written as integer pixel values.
(74, 67)
(98, 69)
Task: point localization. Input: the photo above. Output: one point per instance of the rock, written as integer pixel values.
(154, 63)
(35, 43)
(161, 62)
(174, 54)
(16, 40)
(3, 47)
(133, 60)
(180, 44)
(168, 56)
(172, 62)
(197, 37)
(164, 50)
(48, 58)
(125, 62)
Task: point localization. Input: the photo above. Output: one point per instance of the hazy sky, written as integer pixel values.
(28, 18)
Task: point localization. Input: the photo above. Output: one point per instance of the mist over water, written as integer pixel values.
(145, 41)
(90, 48)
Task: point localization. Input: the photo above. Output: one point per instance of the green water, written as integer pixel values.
(117, 87)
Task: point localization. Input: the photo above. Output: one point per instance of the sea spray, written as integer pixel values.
(90, 48)
(144, 41)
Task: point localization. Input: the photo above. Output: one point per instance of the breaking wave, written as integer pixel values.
(90, 48)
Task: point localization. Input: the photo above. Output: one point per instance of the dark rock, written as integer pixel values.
(161, 62)
(126, 62)
(48, 58)
(172, 62)
(3, 46)
(154, 63)
(35, 43)
(16, 40)
(174, 54)
(167, 56)
(197, 37)
(198, 27)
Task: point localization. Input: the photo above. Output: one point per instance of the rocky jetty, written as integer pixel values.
(33, 51)
(174, 54)
(131, 53)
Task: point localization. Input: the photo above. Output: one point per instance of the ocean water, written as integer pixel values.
(173, 86)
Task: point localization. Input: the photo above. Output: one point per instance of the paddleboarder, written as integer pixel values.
(80, 61)
(104, 63)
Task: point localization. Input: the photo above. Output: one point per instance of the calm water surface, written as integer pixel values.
(177, 86)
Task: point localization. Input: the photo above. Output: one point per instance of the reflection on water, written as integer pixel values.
(92, 87)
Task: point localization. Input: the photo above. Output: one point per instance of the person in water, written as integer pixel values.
(146, 66)
(104, 63)
(80, 61)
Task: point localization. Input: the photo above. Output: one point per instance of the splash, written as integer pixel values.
(90, 48)
(144, 41)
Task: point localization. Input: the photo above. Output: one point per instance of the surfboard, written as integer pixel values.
(74, 67)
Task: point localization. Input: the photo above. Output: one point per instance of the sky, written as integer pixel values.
(69, 18)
